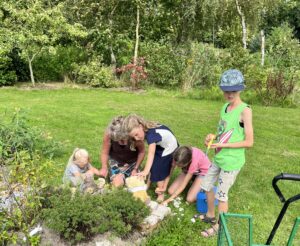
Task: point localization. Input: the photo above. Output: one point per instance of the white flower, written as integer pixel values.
(181, 209)
(193, 220)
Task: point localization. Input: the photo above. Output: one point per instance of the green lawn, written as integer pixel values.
(78, 117)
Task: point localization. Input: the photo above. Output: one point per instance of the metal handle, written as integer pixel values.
(283, 176)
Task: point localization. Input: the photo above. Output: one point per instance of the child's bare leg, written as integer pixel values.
(118, 180)
(223, 207)
(194, 190)
(161, 196)
(210, 203)
(174, 186)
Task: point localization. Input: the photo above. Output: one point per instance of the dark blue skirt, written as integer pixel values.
(161, 167)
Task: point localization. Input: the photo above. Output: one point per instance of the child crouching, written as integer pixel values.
(79, 168)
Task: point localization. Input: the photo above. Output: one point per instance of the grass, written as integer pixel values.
(78, 117)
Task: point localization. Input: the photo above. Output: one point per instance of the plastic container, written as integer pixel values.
(202, 202)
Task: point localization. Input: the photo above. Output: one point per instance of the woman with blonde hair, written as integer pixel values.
(120, 155)
(162, 143)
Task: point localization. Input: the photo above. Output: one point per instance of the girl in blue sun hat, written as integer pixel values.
(234, 134)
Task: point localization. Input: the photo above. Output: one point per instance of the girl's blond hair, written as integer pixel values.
(115, 130)
(133, 121)
(78, 154)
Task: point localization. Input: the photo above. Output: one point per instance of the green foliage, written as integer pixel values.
(36, 26)
(239, 58)
(204, 66)
(57, 64)
(78, 216)
(16, 136)
(7, 74)
(164, 64)
(23, 182)
(94, 74)
(283, 49)
(277, 88)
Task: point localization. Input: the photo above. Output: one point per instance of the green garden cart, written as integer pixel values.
(234, 237)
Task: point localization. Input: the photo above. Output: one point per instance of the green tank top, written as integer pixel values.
(230, 131)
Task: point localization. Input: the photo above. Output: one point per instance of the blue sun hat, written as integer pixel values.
(232, 80)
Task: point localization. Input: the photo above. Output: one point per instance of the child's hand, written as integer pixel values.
(89, 174)
(165, 203)
(217, 145)
(103, 172)
(134, 172)
(142, 174)
(208, 138)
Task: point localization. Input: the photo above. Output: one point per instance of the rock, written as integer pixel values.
(161, 211)
(152, 205)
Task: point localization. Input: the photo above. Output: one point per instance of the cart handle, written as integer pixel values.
(283, 176)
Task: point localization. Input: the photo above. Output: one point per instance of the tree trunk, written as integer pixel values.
(31, 71)
(243, 22)
(136, 36)
(262, 35)
(113, 60)
(134, 79)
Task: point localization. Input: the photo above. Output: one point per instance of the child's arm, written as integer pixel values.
(150, 158)
(94, 171)
(246, 117)
(105, 155)
(141, 155)
(180, 189)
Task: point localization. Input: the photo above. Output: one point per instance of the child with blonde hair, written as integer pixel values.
(122, 155)
(162, 143)
(194, 164)
(79, 168)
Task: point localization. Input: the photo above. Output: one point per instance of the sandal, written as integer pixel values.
(204, 218)
(210, 232)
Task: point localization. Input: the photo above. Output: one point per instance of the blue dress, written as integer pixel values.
(166, 144)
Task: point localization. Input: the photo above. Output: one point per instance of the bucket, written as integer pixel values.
(202, 203)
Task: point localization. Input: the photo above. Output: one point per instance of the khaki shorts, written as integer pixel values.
(225, 180)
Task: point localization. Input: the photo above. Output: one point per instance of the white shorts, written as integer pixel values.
(225, 180)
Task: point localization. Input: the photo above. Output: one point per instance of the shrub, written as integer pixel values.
(16, 136)
(239, 58)
(204, 66)
(277, 88)
(7, 74)
(94, 74)
(136, 72)
(164, 64)
(57, 64)
(21, 185)
(78, 216)
(283, 50)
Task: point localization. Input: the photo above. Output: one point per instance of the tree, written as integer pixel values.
(36, 25)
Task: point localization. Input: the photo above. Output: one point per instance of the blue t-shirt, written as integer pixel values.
(72, 169)
(164, 139)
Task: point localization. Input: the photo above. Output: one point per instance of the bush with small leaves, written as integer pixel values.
(77, 216)
(16, 136)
